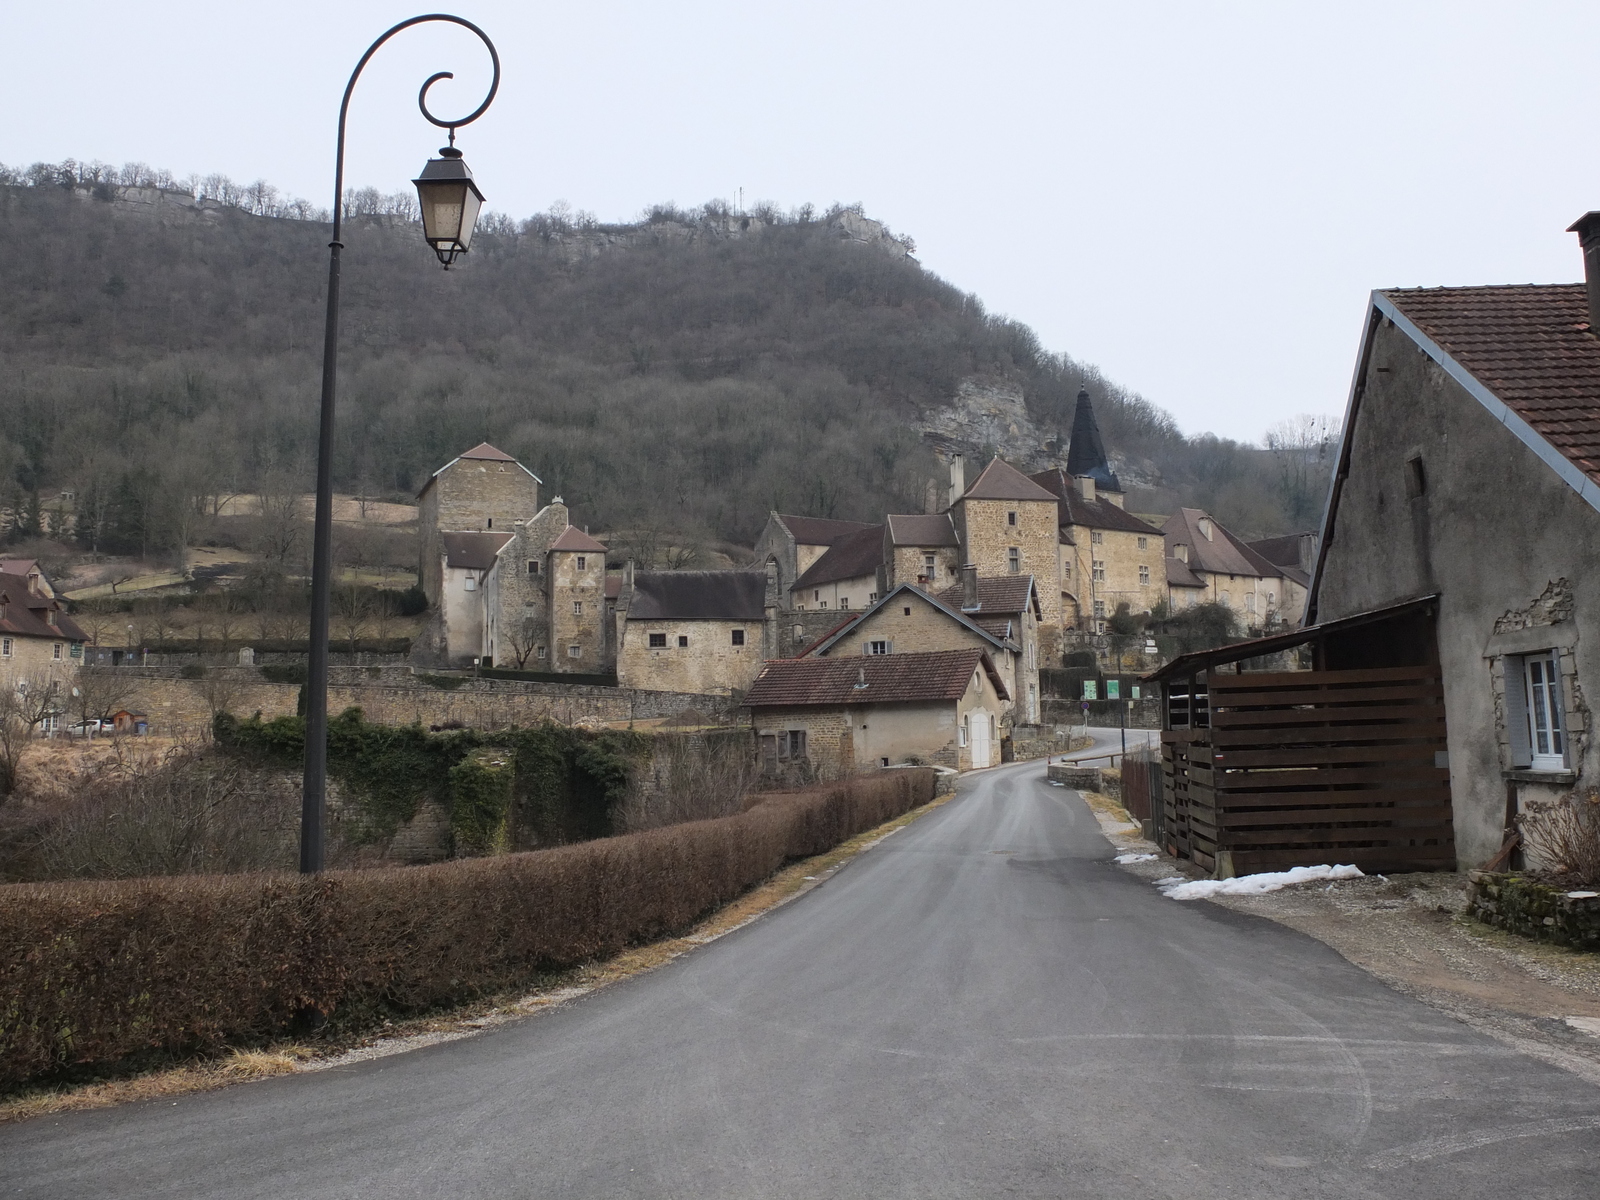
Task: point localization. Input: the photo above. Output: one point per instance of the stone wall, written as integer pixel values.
(908, 564)
(1535, 910)
(710, 662)
(798, 629)
(469, 494)
(393, 696)
(1119, 581)
(988, 538)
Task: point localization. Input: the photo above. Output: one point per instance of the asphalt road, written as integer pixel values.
(981, 1006)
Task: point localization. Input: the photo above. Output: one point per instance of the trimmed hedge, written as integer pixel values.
(99, 973)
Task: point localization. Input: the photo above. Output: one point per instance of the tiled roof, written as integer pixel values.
(472, 551)
(699, 596)
(486, 451)
(573, 538)
(1282, 551)
(1001, 481)
(28, 615)
(1098, 513)
(1220, 554)
(1531, 345)
(941, 676)
(851, 557)
(821, 531)
(613, 585)
(997, 594)
(918, 529)
(1179, 575)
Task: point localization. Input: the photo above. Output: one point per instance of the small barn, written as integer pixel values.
(1344, 762)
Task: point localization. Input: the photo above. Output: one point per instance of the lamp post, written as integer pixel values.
(450, 202)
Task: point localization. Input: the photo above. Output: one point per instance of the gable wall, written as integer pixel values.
(1494, 530)
(465, 496)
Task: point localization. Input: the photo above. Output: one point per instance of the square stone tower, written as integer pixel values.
(483, 490)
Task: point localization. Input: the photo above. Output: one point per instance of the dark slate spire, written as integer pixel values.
(1087, 454)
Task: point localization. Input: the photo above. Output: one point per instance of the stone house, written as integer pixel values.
(1108, 556)
(1469, 470)
(793, 544)
(910, 621)
(919, 548)
(1007, 606)
(544, 600)
(38, 640)
(843, 577)
(1228, 571)
(824, 717)
(482, 490)
(1295, 554)
(695, 631)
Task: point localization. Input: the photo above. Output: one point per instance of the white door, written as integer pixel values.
(978, 742)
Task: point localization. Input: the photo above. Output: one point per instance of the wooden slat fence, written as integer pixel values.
(1305, 767)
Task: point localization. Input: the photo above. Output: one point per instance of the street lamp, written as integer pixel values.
(450, 202)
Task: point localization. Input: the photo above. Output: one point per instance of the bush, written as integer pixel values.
(413, 601)
(1561, 838)
(102, 972)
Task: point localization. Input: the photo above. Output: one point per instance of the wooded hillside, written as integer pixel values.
(688, 372)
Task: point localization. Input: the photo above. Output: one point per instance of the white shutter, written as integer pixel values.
(866, 648)
(889, 646)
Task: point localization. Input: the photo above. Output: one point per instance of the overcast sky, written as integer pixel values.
(1195, 197)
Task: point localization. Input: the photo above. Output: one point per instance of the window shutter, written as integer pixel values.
(866, 648)
(1517, 711)
(889, 646)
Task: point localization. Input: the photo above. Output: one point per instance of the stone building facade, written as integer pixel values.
(696, 631)
(1109, 557)
(1229, 571)
(544, 598)
(483, 490)
(39, 642)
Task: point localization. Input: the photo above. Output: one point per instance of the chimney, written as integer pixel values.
(1587, 227)
(1086, 487)
(958, 478)
(969, 588)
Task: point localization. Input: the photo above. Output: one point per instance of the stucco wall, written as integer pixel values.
(850, 595)
(1493, 531)
(709, 663)
(463, 614)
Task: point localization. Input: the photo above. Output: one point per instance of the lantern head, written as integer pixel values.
(450, 203)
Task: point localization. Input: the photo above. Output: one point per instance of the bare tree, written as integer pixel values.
(99, 692)
(1302, 448)
(522, 642)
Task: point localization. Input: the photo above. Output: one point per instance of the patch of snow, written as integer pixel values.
(1252, 885)
(1582, 895)
(1057, 783)
(1133, 858)
(1170, 880)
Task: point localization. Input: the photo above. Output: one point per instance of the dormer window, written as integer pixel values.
(1181, 552)
(1207, 529)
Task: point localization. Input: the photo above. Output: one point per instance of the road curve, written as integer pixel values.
(981, 1006)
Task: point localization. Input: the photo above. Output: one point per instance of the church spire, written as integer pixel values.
(1087, 453)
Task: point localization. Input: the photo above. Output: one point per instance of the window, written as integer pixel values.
(540, 653)
(55, 651)
(490, 525)
(577, 608)
(961, 731)
(1014, 560)
(574, 651)
(928, 568)
(792, 744)
(844, 603)
(1066, 570)
(658, 641)
(683, 640)
(738, 637)
(1099, 608)
(878, 647)
(583, 563)
(1099, 571)
(533, 566)
(1542, 720)
(1416, 477)
(1144, 543)
(5, 647)
(908, 610)
(1144, 574)
(1011, 518)
(1250, 602)
(822, 604)
(1096, 537)
(872, 597)
(471, 583)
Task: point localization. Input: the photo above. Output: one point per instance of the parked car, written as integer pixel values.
(90, 728)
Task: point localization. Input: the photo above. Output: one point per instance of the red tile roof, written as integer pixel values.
(573, 538)
(853, 556)
(1531, 345)
(820, 531)
(484, 450)
(1001, 481)
(998, 595)
(1098, 513)
(941, 676)
(28, 615)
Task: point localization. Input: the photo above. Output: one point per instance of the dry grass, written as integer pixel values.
(242, 1066)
